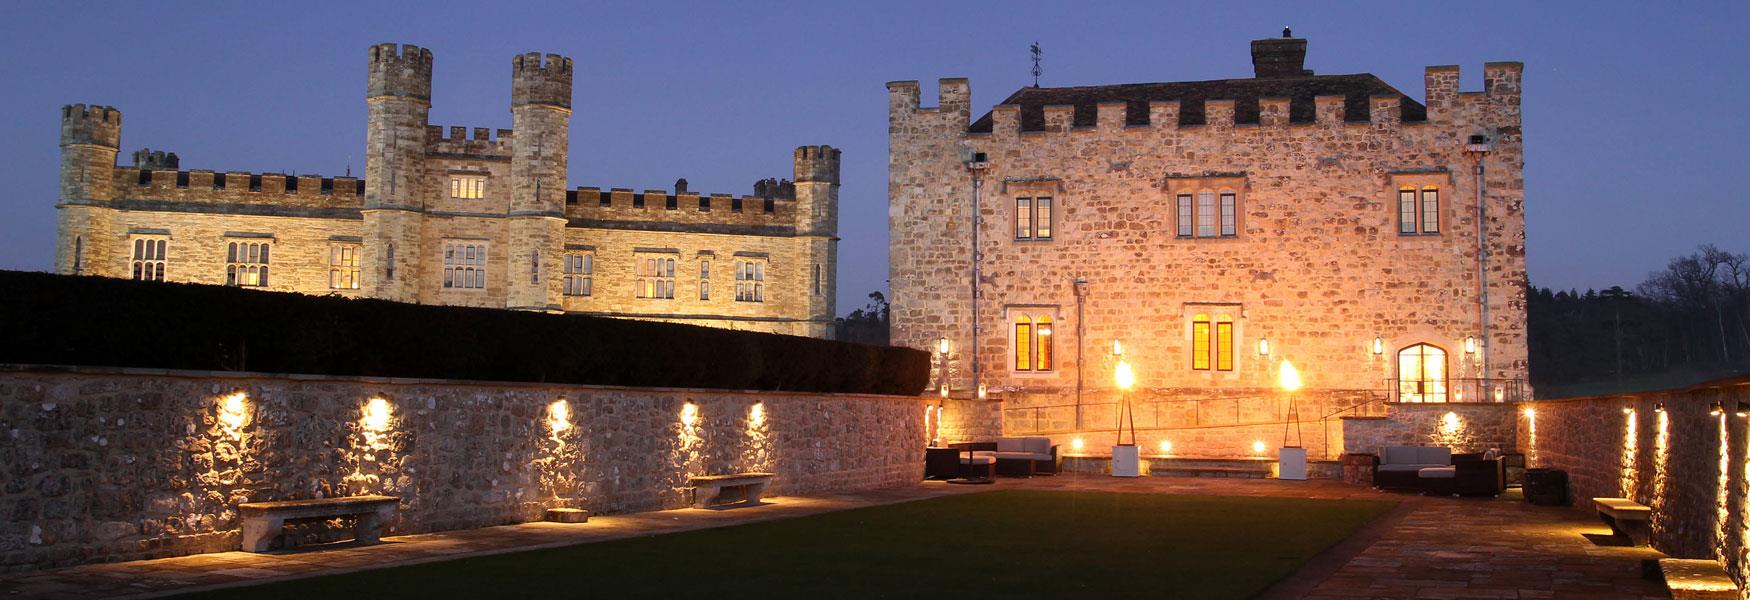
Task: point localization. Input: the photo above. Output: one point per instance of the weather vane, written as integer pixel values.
(1037, 55)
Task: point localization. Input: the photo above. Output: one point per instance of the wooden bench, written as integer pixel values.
(263, 521)
(1625, 517)
(1689, 579)
(723, 490)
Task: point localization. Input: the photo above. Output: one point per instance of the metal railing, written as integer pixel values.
(1461, 389)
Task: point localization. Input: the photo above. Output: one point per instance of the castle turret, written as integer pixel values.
(540, 107)
(399, 95)
(817, 225)
(90, 139)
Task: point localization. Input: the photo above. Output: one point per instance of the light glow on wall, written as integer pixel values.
(1076, 444)
(1720, 495)
(1630, 450)
(689, 414)
(376, 415)
(756, 414)
(234, 413)
(1661, 456)
(558, 417)
(1530, 437)
(1258, 447)
(1288, 377)
(1123, 376)
(1166, 446)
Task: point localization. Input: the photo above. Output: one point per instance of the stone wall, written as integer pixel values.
(967, 420)
(123, 464)
(1686, 463)
(1463, 427)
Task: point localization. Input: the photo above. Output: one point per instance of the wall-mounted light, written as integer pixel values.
(1717, 409)
(1166, 446)
(1470, 344)
(1378, 346)
(1659, 407)
(1628, 410)
(1500, 393)
(689, 413)
(942, 346)
(1257, 446)
(944, 390)
(1458, 394)
(1076, 444)
(376, 416)
(1530, 412)
(1263, 346)
(1743, 409)
(1117, 348)
(983, 392)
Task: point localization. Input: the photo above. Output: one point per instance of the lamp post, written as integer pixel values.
(1078, 285)
(1126, 458)
(1290, 460)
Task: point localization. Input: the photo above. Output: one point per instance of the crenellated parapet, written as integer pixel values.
(210, 191)
(94, 125)
(541, 80)
(817, 164)
(402, 71)
(770, 213)
(457, 141)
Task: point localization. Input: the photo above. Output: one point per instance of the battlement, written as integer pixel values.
(817, 164)
(236, 187)
(541, 80)
(1501, 88)
(400, 71)
(156, 160)
(769, 208)
(93, 124)
(456, 140)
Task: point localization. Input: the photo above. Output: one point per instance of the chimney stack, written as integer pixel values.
(1277, 58)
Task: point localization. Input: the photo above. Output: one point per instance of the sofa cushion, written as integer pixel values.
(1411, 467)
(977, 460)
(1397, 455)
(1437, 473)
(1037, 445)
(1022, 456)
(1434, 455)
(1010, 444)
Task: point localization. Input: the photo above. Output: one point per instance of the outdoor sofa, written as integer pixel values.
(1018, 456)
(1436, 470)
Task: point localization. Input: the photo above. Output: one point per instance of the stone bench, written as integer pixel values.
(723, 490)
(263, 521)
(1625, 517)
(1689, 579)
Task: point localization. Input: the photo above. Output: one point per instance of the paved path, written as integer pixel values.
(1427, 548)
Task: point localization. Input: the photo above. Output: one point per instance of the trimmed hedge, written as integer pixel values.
(69, 320)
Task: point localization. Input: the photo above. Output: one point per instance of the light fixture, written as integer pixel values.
(233, 411)
(944, 390)
(689, 413)
(376, 414)
(1378, 346)
(1076, 444)
(1263, 346)
(942, 346)
(1166, 446)
(1628, 409)
(756, 414)
(1659, 407)
(559, 416)
(1530, 412)
(983, 392)
(1470, 344)
(1288, 377)
(1458, 394)
(1743, 409)
(1117, 348)
(1123, 376)
(1500, 393)
(1257, 446)
(1717, 409)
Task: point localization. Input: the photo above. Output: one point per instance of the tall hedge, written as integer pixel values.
(98, 321)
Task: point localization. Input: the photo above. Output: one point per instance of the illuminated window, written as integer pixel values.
(343, 266)
(468, 187)
(579, 274)
(750, 281)
(1032, 341)
(465, 265)
(1207, 214)
(148, 258)
(1418, 210)
(1033, 218)
(1422, 374)
(246, 263)
(655, 277)
(1212, 343)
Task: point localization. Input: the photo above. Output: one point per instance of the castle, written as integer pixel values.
(481, 218)
(1203, 234)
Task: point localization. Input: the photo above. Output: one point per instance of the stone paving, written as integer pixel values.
(1432, 548)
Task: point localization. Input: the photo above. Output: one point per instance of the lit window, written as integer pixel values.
(246, 263)
(1207, 214)
(579, 273)
(468, 187)
(465, 265)
(1422, 374)
(1212, 343)
(655, 277)
(1033, 218)
(750, 280)
(1418, 210)
(343, 266)
(1032, 341)
(148, 258)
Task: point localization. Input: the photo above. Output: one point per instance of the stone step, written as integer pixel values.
(1209, 471)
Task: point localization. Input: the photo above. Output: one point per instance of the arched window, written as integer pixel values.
(1422, 374)
(1033, 347)
(1212, 343)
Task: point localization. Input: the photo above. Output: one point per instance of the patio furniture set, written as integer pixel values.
(1436, 471)
(983, 461)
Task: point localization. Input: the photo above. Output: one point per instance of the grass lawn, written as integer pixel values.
(1016, 544)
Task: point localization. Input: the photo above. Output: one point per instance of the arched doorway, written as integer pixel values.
(1422, 374)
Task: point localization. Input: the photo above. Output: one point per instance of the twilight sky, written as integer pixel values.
(1634, 113)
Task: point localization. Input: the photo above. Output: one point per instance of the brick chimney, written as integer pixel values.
(1276, 58)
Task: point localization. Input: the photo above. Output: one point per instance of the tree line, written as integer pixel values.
(1686, 323)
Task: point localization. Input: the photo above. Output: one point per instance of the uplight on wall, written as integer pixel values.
(234, 411)
(559, 416)
(1530, 412)
(376, 417)
(1500, 393)
(1378, 346)
(1076, 444)
(1117, 348)
(1470, 345)
(1258, 447)
(983, 392)
(689, 413)
(1717, 409)
(756, 414)
(1628, 410)
(1659, 407)
(1743, 409)
(944, 390)
(1263, 346)
(942, 346)
(1458, 394)
(1166, 446)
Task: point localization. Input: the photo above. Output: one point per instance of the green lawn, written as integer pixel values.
(1016, 544)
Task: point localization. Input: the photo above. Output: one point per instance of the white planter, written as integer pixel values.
(1127, 461)
(1291, 464)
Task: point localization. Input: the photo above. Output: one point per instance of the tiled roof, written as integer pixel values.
(1191, 94)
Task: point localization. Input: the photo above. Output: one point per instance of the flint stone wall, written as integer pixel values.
(106, 465)
(1473, 427)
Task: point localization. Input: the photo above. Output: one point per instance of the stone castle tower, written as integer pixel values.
(480, 218)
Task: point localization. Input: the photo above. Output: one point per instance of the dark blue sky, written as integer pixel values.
(1634, 113)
